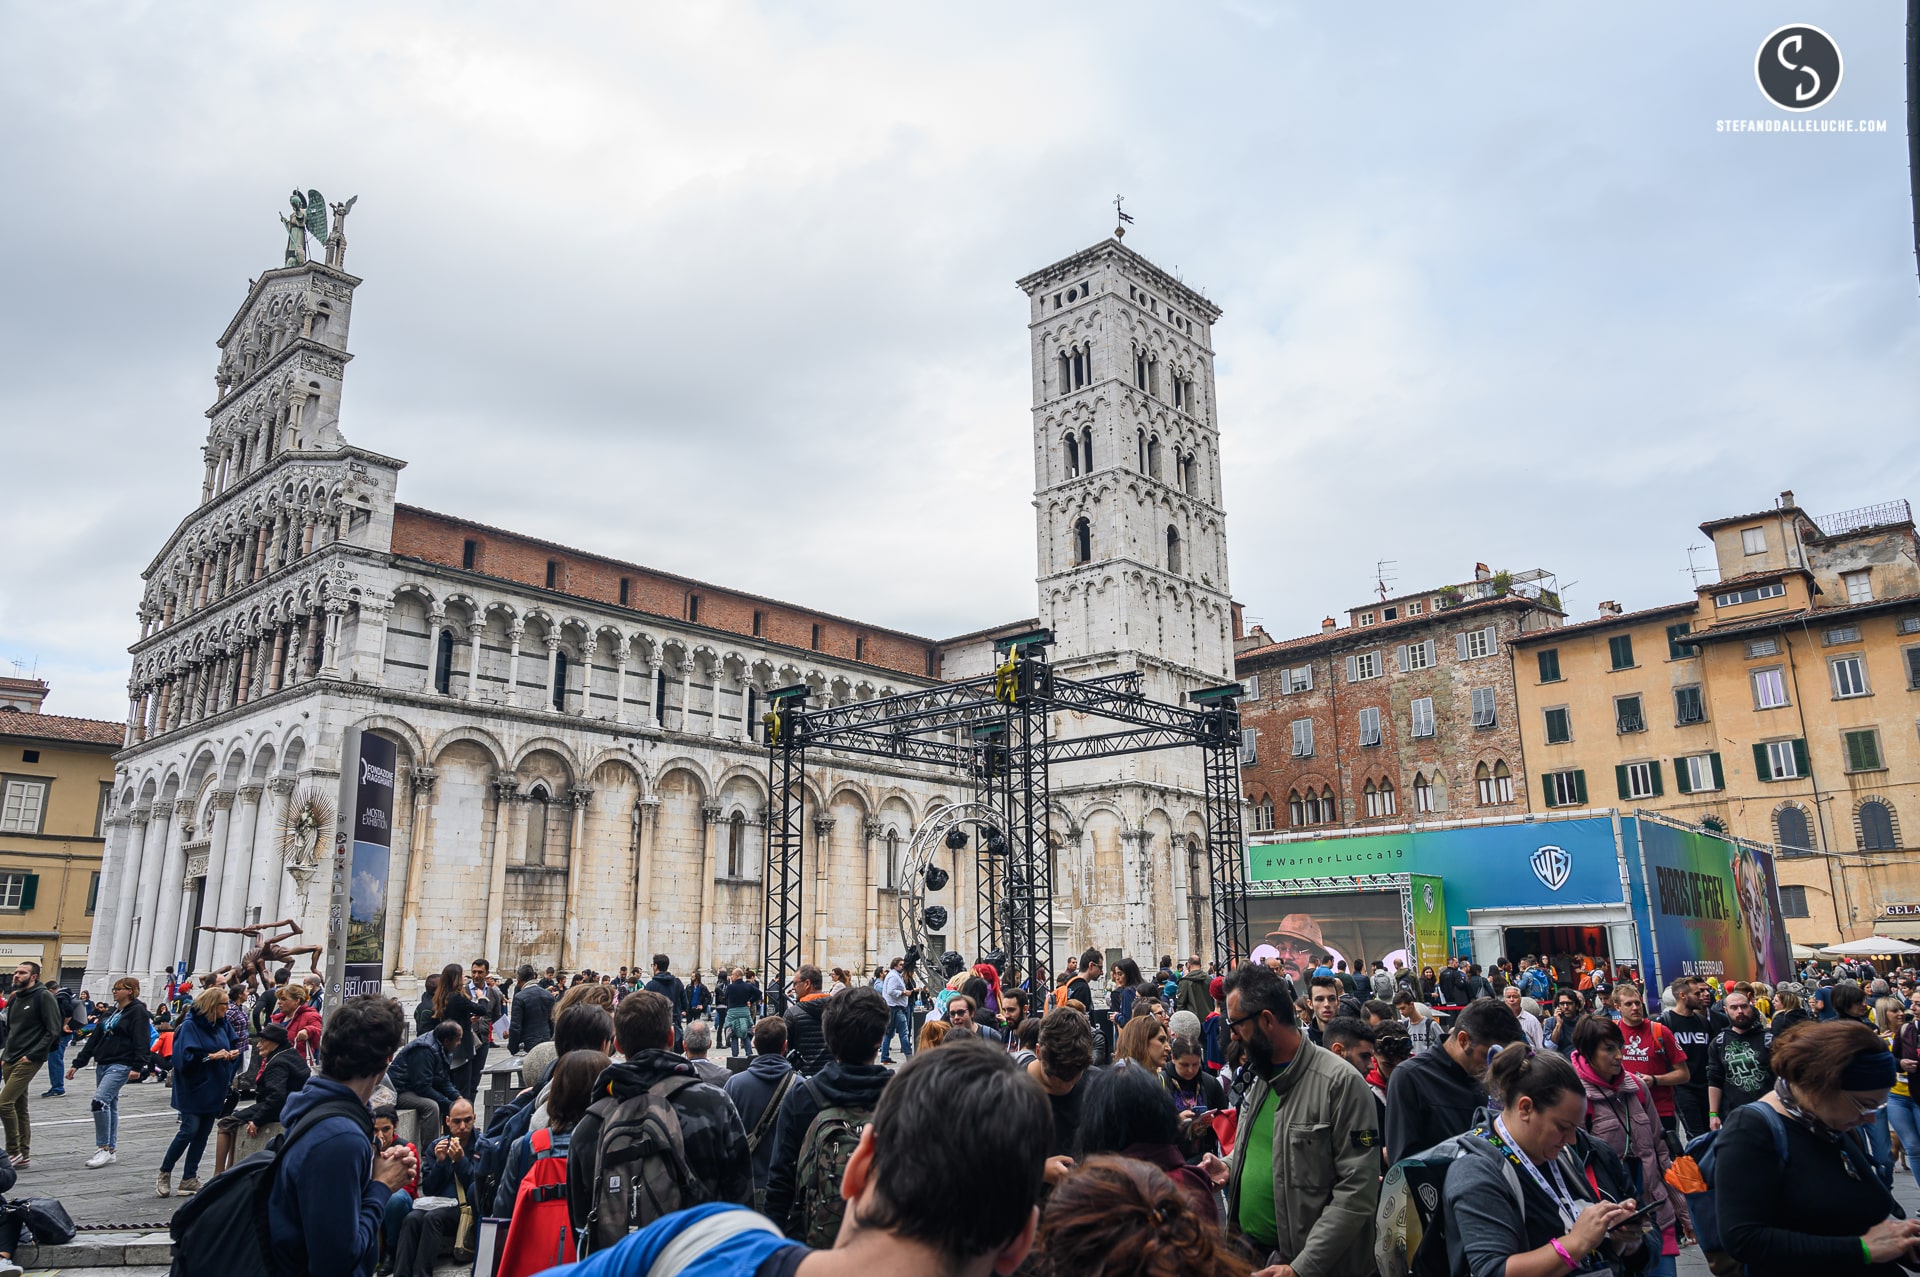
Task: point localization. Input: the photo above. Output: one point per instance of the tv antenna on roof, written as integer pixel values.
(1382, 578)
(1122, 218)
(1690, 569)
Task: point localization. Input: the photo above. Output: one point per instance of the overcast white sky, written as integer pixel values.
(728, 289)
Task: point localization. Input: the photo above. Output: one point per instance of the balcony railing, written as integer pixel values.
(1886, 514)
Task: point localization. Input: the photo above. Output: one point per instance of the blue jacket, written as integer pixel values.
(751, 1090)
(200, 1084)
(337, 1227)
(437, 1175)
(420, 1068)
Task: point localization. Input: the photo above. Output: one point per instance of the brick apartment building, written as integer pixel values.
(1406, 712)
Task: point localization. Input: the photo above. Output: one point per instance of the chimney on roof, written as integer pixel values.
(1610, 608)
(1329, 625)
(1786, 498)
(1481, 572)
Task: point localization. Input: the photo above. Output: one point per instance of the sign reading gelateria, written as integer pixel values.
(1900, 911)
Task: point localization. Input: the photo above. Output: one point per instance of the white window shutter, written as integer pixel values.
(1492, 640)
(1400, 657)
(1353, 669)
(1251, 690)
(1460, 645)
(1433, 657)
(1247, 736)
(1307, 670)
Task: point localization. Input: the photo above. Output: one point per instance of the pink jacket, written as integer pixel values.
(1625, 1120)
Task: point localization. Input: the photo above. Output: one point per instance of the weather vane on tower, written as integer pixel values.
(1120, 226)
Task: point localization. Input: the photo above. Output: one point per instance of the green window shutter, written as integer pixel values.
(1658, 789)
(1620, 780)
(1800, 758)
(28, 892)
(1855, 754)
(1761, 768)
(1580, 787)
(1719, 777)
(1548, 789)
(93, 892)
(1680, 781)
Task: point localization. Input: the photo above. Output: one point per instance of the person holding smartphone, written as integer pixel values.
(1559, 1221)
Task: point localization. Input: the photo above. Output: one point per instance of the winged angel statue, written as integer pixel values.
(309, 218)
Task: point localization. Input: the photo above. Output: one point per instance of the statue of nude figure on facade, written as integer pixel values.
(271, 950)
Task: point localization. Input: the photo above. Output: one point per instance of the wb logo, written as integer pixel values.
(1798, 67)
(1552, 866)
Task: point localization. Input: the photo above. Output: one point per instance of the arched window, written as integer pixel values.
(1483, 781)
(1790, 828)
(1263, 813)
(1296, 810)
(1066, 372)
(1072, 447)
(737, 845)
(559, 680)
(1082, 367)
(1422, 793)
(1153, 455)
(1372, 795)
(1086, 449)
(1329, 808)
(890, 865)
(1713, 824)
(1387, 805)
(1502, 782)
(1082, 541)
(1876, 826)
(1173, 549)
(537, 825)
(1142, 436)
(1139, 368)
(443, 663)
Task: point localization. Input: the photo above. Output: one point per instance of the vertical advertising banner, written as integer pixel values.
(1715, 907)
(363, 847)
(1429, 922)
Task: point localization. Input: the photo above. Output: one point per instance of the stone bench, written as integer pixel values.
(245, 1145)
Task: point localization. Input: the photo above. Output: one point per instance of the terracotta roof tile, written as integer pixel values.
(1771, 574)
(1606, 622)
(1355, 633)
(86, 731)
(1816, 616)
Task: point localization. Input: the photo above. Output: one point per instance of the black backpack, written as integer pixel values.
(65, 998)
(223, 1230)
(640, 1169)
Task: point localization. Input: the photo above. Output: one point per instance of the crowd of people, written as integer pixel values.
(1099, 1120)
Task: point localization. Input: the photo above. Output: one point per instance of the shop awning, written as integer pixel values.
(1898, 928)
(1870, 947)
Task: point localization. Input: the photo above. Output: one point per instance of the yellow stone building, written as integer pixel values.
(55, 775)
(1778, 705)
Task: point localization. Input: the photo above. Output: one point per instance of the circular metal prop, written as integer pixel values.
(934, 832)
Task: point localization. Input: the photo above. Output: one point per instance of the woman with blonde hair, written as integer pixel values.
(204, 1058)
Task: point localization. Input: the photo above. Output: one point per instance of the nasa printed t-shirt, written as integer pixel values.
(1650, 1051)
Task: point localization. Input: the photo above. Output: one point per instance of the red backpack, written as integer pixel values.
(540, 1236)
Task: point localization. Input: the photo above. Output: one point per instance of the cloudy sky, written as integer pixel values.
(728, 289)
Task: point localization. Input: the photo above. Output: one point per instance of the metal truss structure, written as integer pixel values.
(992, 731)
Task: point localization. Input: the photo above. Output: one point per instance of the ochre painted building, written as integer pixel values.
(55, 777)
(1779, 705)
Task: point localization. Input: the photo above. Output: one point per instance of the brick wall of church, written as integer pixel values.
(442, 540)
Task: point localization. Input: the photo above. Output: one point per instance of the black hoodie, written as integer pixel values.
(836, 1086)
(716, 1143)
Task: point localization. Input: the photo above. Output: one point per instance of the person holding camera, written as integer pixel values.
(448, 1171)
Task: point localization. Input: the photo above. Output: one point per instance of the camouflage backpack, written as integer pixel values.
(824, 1152)
(640, 1169)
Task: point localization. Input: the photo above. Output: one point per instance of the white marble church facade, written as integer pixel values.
(574, 729)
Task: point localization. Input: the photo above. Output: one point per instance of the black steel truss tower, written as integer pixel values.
(992, 732)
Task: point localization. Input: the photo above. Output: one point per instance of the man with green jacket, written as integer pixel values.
(1191, 994)
(1305, 1176)
(34, 1024)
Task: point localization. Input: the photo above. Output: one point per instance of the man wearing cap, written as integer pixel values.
(278, 1074)
(1192, 994)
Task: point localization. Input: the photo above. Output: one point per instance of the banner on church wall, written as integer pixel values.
(363, 848)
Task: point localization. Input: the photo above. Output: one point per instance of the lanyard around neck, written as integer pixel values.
(1563, 1198)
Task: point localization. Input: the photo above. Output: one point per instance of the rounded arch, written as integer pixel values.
(468, 734)
(1876, 826)
(682, 765)
(548, 745)
(1792, 829)
(400, 730)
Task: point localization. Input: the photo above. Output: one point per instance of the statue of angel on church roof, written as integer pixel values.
(309, 218)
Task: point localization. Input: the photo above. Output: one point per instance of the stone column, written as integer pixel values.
(235, 874)
(686, 694)
(506, 788)
(133, 722)
(306, 536)
(620, 682)
(279, 670)
(331, 619)
(423, 778)
(129, 891)
(106, 907)
(647, 814)
(210, 905)
(212, 459)
(266, 868)
(656, 670)
(822, 852)
(587, 651)
(553, 670)
(260, 536)
(710, 819)
(474, 630)
(245, 691)
(164, 918)
(870, 831)
(513, 664)
(579, 796)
